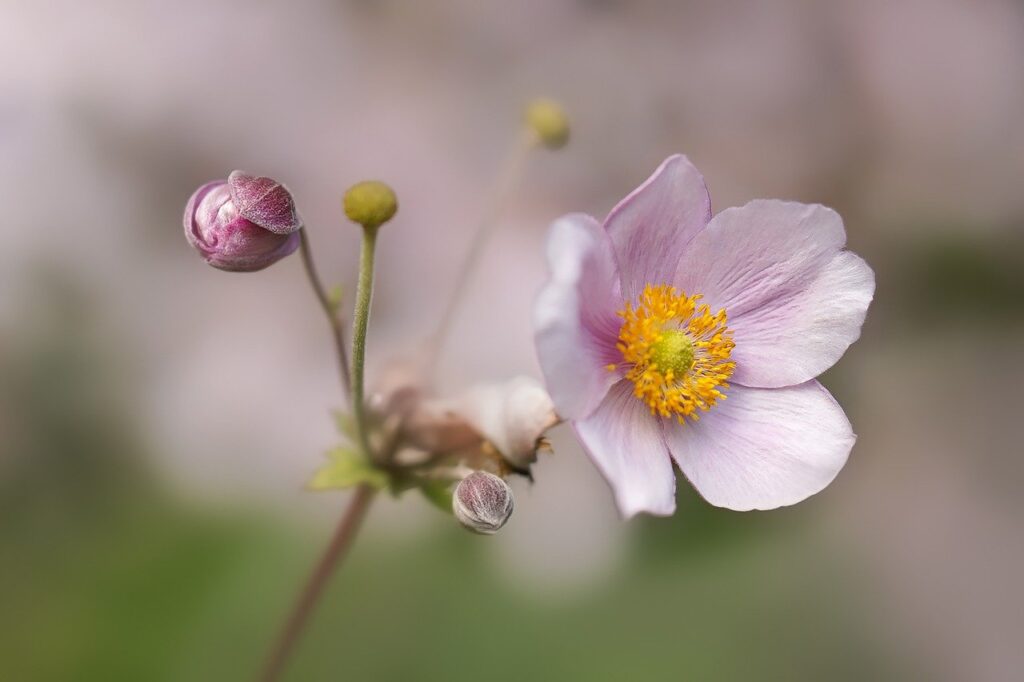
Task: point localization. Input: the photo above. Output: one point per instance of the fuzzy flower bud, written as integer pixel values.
(242, 224)
(548, 120)
(482, 502)
(370, 203)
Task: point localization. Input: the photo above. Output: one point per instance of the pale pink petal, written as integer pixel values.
(763, 448)
(575, 316)
(794, 299)
(793, 338)
(626, 443)
(651, 227)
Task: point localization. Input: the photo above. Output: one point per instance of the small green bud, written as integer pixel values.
(547, 118)
(370, 203)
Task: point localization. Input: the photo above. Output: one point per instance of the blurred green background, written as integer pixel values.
(158, 418)
(108, 574)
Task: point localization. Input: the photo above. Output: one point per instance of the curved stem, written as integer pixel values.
(364, 293)
(353, 516)
(508, 178)
(337, 329)
(335, 552)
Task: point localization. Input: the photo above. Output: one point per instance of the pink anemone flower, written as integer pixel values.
(668, 334)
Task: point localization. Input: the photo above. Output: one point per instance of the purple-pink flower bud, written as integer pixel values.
(242, 224)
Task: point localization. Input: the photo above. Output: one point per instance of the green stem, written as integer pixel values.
(364, 293)
(337, 330)
(353, 516)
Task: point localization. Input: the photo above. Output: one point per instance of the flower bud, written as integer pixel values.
(482, 502)
(242, 224)
(548, 120)
(370, 204)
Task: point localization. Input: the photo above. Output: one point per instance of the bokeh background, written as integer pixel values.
(158, 418)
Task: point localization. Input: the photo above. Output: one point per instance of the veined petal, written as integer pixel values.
(797, 337)
(764, 448)
(265, 202)
(795, 299)
(651, 227)
(575, 316)
(626, 443)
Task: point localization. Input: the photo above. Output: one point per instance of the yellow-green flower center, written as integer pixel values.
(675, 351)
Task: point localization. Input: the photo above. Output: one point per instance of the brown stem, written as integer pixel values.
(337, 329)
(340, 543)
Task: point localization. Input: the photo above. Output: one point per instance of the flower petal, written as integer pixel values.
(795, 300)
(651, 227)
(764, 448)
(626, 443)
(794, 338)
(512, 416)
(575, 316)
(265, 202)
(192, 232)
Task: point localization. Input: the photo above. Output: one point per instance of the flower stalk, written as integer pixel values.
(371, 205)
(546, 125)
(333, 555)
(508, 179)
(330, 310)
(361, 319)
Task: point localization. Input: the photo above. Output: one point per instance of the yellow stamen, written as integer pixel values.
(675, 352)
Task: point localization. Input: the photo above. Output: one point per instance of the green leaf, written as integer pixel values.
(347, 468)
(438, 493)
(346, 424)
